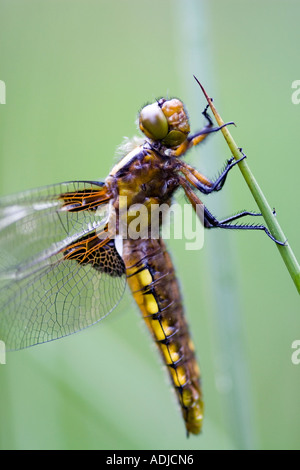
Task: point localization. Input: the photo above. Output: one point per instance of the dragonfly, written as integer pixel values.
(65, 258)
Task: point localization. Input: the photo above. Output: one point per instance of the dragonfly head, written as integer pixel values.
(165, 121)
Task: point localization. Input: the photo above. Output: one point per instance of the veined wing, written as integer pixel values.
(37, 223)
(58, 272)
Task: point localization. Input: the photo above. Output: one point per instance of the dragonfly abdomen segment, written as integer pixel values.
(151, 277)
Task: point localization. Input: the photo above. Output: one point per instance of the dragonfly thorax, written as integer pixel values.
(143, 180)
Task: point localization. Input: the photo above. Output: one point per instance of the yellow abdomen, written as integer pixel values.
(151, 278)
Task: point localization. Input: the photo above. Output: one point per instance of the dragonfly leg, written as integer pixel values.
(207, 116)
(202, 183)
(219, 183)
(238, 216)
(211, 222)
(195, 139)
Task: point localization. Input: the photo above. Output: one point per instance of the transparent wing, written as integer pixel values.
(37, 223)
(56, 276)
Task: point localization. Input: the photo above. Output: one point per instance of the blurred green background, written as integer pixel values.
(76, 74)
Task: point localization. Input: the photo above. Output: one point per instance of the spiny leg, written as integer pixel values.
(207, 116)
(211, 222)
(219, 183)
(238, 216)
(203, 184)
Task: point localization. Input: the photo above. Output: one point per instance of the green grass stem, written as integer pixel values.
(264, 207)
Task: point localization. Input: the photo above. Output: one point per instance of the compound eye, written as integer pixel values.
(153, 123)
(174, 138)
